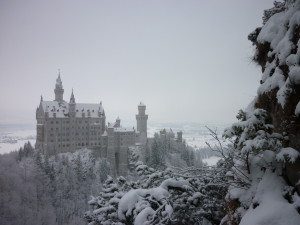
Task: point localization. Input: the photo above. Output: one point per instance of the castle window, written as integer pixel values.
(51, 122)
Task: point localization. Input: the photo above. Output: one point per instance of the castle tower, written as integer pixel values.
(111, 154)
(141, 120)
(118, 122)
(59, 91)
(72, 105)
(72, 114)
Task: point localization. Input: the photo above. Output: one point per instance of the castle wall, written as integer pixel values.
(57, 135)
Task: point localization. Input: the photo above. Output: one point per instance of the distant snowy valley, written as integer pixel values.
(14, 136)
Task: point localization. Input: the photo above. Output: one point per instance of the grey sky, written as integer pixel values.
(188, 60)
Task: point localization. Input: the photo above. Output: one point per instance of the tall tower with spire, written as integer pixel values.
(59, 91)
(141, 120)
(72, 106)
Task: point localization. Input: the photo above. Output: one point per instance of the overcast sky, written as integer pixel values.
(187, 60)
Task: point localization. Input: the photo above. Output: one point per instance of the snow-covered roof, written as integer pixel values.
(62, 109)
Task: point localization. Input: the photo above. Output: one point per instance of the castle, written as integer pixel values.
(67, 126)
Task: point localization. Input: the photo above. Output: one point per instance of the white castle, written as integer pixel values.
(67, 126)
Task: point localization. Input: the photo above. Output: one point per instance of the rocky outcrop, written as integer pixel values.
(278, 53)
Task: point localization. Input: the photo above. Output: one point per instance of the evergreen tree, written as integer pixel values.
(105, 206)
(157, 155)
(147, 154)
(104, 170)
(79, 169)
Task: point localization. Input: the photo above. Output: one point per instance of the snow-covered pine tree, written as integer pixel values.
(251, 136)
(105, 206)
(147, 154)
(103, 170)
(267, 136)
(157, 153)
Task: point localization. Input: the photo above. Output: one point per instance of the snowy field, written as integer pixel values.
(13, 136)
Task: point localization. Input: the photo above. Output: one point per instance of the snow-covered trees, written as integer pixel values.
(265, 150)
(161, 151)
(24, 195)
(172, 196)
(104, 206)
(36, 189)
(25, 151)
(253, 159)
(250, 137)
(158, 153)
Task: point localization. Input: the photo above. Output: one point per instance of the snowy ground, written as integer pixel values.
(211, 160)
(12, 137)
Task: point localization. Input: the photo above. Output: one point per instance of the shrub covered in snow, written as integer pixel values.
(173, 196)
(256, 159)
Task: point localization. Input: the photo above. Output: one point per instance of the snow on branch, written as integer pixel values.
(288, 154)
(144, 204)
